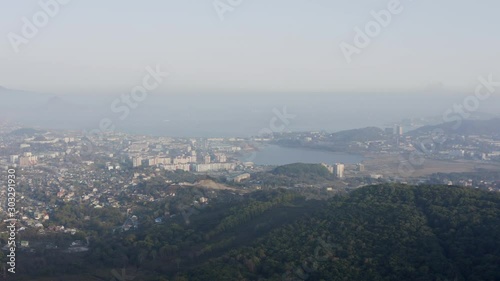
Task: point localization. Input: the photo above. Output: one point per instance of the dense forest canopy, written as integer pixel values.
(378, 233)
(383, 232)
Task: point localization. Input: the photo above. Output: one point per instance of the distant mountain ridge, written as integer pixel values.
(26, 132)
(465, 127)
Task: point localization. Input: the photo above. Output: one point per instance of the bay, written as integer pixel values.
(278, 155)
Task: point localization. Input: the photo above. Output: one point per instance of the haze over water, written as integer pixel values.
(277, 155)
(225, 115)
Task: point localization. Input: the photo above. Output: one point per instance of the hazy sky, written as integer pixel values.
(261, 46)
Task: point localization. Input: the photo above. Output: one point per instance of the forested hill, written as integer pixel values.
(377, 233)
(463, 127)
(385, 232)
(363, 134)
(302, 170)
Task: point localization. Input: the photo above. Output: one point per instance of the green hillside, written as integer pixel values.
(363, 134)
(386, 232)
(378, 233)
(300, 170)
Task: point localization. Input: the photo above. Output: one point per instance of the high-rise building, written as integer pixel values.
(361, 167)
(163, 160)
(14, 159)
(136, 162)
(206, 159)
(330, 168)
(398, 130)
(182, 160)
(220, 157)
(338, 170)
(27, 161)
(212, 167)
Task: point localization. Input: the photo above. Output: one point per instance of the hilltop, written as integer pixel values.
(301, 170)
(387, 232)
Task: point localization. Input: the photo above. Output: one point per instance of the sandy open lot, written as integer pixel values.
(399, 166)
